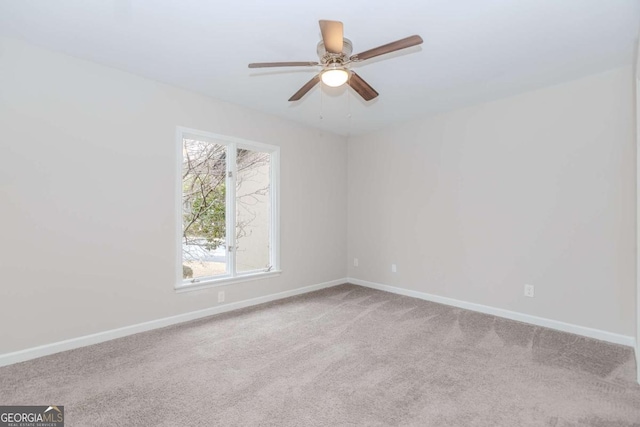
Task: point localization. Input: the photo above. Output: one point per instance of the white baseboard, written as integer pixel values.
(521, 317)
(637, 352)
(47, 349)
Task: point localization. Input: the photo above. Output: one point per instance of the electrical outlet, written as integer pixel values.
(393, 268)
(528, 291)
(355, 262)
(220, 296)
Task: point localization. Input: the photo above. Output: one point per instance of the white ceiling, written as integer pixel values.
(474, 50)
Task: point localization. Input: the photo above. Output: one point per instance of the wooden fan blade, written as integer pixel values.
(362, 87)
(281, 64)
(306, 88)
(388, 48)
(332, 35)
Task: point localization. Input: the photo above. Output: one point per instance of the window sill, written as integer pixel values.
(212, 283)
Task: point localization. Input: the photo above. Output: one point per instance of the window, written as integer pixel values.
(228, 209)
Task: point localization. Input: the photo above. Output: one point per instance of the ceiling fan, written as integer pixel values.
(334, 52)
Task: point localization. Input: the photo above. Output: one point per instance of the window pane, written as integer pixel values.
(203, 209)
(253, 211)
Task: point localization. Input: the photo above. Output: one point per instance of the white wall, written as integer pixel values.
(473, 204)
(87, 209)
(637, 105)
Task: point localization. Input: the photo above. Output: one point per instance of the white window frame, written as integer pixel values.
(232, 144)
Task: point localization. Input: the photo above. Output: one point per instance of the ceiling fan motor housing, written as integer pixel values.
(332, 58)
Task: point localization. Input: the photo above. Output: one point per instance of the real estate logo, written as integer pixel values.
(32, 416)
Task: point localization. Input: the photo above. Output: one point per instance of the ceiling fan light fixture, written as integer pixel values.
(335, 77)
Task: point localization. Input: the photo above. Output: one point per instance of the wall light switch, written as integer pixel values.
(393, 268)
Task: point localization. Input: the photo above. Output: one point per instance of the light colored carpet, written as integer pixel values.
(344, 356)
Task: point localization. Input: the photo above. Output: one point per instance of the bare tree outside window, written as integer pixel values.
(204, 213)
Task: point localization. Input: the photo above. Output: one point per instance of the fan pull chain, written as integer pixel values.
(348, 113)
(321, 106)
